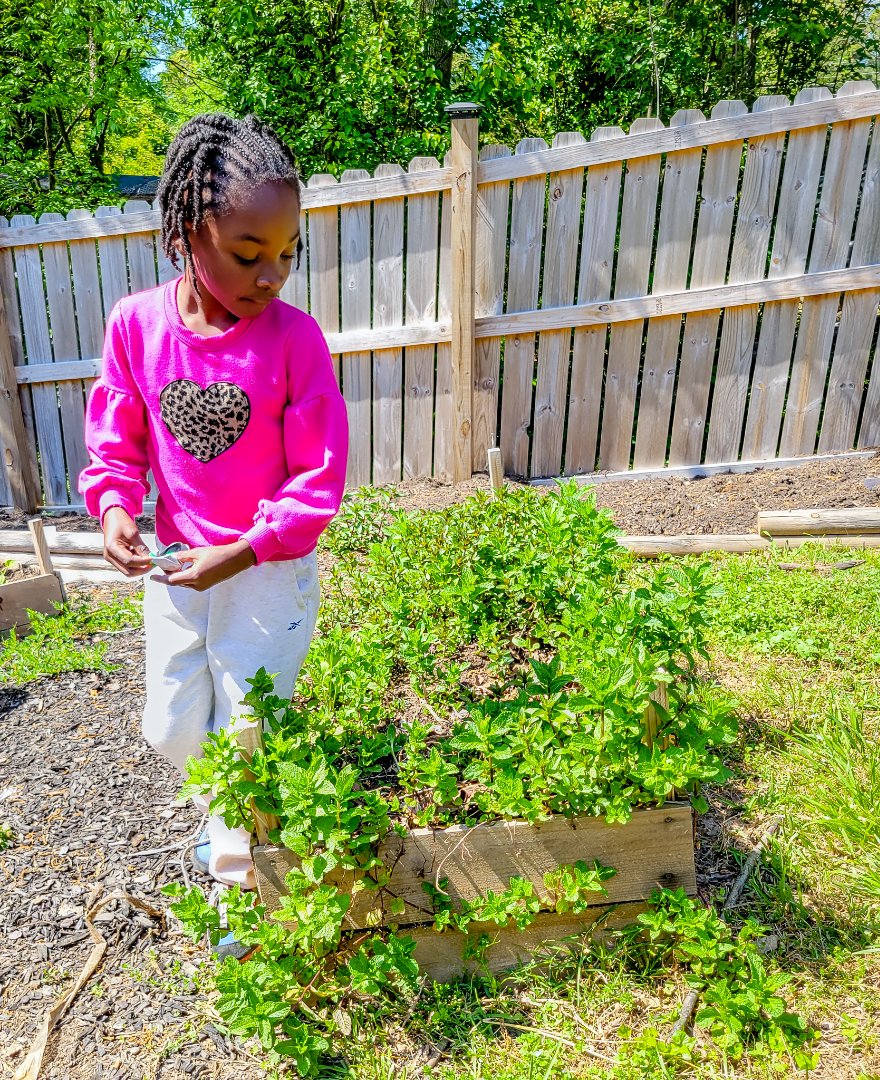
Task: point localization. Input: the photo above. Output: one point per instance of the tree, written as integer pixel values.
(71, 71)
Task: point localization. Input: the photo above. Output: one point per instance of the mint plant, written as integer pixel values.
(493, 661)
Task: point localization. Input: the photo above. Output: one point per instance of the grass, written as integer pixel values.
(68, 640)
(800, 650)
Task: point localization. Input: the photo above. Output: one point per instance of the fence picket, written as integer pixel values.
(791, 241)
(588, 350)
(356, 374)
(387, 311)
(829, 251)
(323, 267)
(114, 271)
(295, 290)
(444, 403)
(748, 258)
(714, 226)
(681, 178)
(422, 216)
(858, 320)
(493, 201)
(141, 248)
(16, 345)
(32, 298)
(563, 227)
(59, 293)
(633, 268)
(523, 282)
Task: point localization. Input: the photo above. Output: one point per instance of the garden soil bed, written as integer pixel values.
(726, 503)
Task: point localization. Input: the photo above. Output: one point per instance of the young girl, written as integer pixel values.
(228, 394)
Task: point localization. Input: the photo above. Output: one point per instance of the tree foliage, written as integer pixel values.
(75, 80)
(91, 87)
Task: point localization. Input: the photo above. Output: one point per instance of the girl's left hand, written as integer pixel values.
(208, 566)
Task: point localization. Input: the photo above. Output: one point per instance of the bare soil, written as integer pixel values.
(723, 503)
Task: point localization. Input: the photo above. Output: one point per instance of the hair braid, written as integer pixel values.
(211, 158)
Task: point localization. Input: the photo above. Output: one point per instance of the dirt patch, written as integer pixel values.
(13, 571)
(724, 503)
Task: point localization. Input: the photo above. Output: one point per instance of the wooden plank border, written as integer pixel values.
(654, 849)
(698, 472)
(687, 137)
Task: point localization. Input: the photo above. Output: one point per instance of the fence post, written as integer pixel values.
(23, 484)
(463, 161)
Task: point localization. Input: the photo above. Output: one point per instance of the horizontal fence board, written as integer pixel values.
(601, 313)
(667, 140)
(697, 472)
(313, 198)
(629, 147)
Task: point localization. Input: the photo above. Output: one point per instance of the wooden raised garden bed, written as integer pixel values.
(654, 849)
(40, 593)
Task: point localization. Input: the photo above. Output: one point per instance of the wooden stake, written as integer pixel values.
(463, 161)
(41, 547)
(250, 738)
(496, 469)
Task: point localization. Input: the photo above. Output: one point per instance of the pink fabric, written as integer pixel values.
(261, 456)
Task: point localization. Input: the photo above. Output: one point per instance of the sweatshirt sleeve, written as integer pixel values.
(116, 432)
(316, 449)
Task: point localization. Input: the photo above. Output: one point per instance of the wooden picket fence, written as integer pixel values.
(699, 293)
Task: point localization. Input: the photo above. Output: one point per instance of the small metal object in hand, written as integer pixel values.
(167, 558)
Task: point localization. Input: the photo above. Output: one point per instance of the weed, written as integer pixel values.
(64, 642)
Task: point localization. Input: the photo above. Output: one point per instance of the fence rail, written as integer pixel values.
(697, 293)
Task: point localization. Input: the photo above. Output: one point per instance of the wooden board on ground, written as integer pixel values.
(441, 956)
(857, 521)
(39, 593)
(653, 849)
(649, 547)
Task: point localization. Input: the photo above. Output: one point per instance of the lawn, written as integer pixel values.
(790, 984)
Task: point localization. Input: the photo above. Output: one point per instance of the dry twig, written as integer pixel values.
(30, 1067)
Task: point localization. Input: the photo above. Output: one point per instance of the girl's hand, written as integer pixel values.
(123, 546)
(204, 567)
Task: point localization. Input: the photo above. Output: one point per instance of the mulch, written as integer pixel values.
(93, 812)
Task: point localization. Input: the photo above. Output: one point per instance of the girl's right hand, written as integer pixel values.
(123, 546)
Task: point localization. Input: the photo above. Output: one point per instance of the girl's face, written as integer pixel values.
(243, 256)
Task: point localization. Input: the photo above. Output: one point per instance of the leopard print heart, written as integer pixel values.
(205, 422)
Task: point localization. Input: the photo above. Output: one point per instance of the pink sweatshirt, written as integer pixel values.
(246, 432)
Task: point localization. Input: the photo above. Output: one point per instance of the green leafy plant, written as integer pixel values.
(741, 1002)
(493, 661)
(66, 641)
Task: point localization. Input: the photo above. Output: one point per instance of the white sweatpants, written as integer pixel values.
(201, 649)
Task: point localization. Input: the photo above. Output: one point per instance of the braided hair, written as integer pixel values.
(211, 157)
